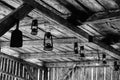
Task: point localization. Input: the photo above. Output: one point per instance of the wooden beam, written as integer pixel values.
(9, 21)
(69, 40)
(101, 17)
(111, 51)
(70, 64)
(68, 54)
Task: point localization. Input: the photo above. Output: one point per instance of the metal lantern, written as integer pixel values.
(82, 51)
(34, 27)
(90, 38)
(104, 59)
(48, 41)
(16, 37)
(76, 48)
(116, 66)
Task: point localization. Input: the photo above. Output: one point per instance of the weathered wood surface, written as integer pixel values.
(17, 68)
(85, 73)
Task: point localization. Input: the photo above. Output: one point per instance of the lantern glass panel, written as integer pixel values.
(34, 27)
(48, 42)
(76, 48)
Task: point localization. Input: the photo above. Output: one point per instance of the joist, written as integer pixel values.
(56, 41)
(109, 50)
(69, 64)
(10, 20)
(68, 54)
(101, 17)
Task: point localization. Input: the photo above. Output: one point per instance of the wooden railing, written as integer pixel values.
(12, 68)
(84, 73)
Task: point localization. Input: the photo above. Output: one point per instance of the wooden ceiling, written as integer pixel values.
(69, 21)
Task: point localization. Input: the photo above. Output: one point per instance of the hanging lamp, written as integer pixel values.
(82, 51)
(104, 59)
(76, 48)
(90, 38)
(116, 66)
(16, 37)
(48, 41)
(34, 27)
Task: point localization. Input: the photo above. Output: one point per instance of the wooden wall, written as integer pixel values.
(84, 73)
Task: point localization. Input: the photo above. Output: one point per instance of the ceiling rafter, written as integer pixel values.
(10, 20)
(69, 64)
(109, 50)
(11, 7)
(57, 55)
(105, 16)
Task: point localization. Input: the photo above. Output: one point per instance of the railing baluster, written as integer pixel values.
(0, 76)
(4, 77)
(7, 65)
(3, 64)
(21, 70)
(7, 77)
(25, 73)
(16, 66)
(11, 66)
(28, 76)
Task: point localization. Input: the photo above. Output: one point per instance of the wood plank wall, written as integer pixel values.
(84, 73)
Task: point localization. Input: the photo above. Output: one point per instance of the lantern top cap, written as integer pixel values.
(48, 34)
(35, 22)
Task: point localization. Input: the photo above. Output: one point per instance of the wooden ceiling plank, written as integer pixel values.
(105, 16)
(9, 21)
(111, 51)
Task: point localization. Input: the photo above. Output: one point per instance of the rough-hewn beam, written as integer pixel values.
(75, 29)
(9, 21)
(70, 64)
(50, 55)
(69, 40)
(104, 17)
